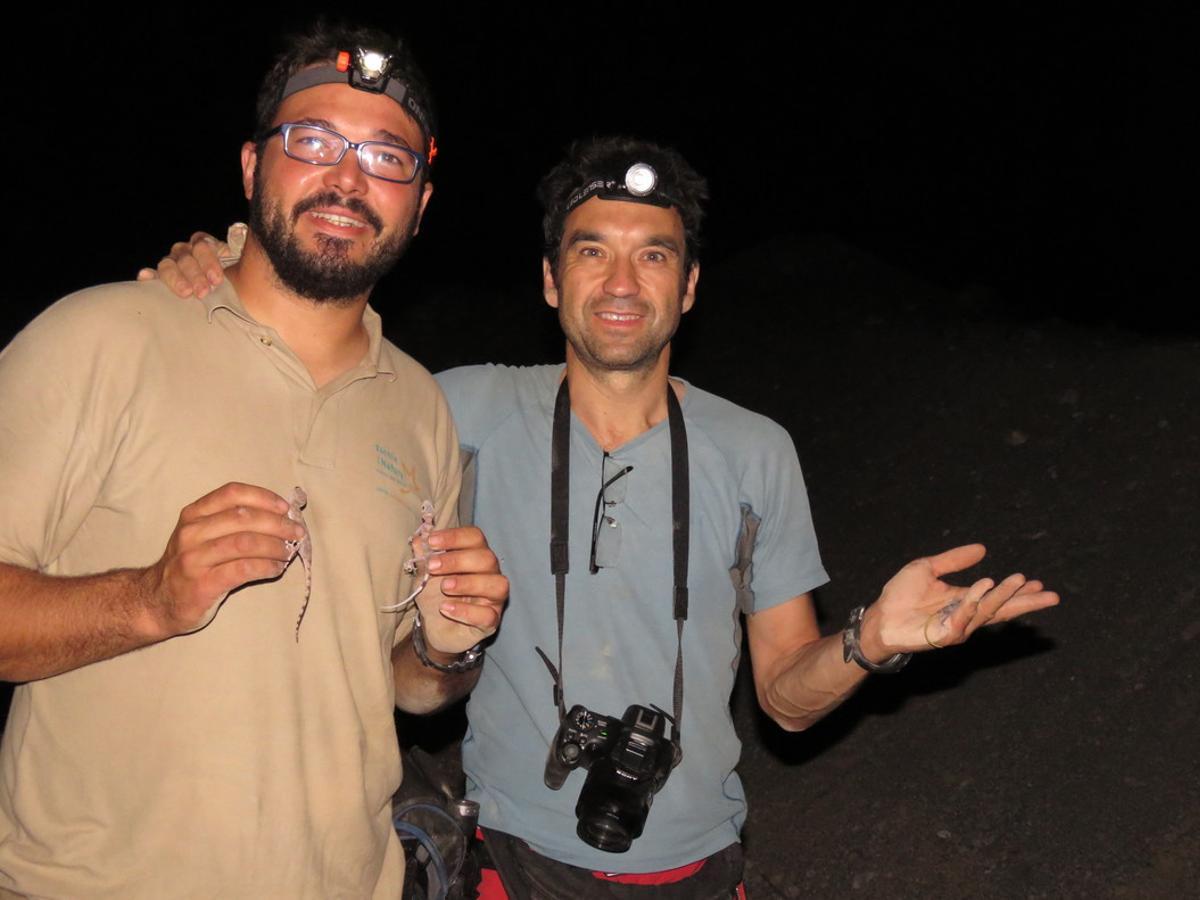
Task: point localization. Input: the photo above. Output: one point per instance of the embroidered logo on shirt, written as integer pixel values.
(401, 476)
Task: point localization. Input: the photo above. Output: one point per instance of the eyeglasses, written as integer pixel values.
(606, 531)
(322, 147)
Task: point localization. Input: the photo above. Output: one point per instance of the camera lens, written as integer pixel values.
(611, 810)
(605, 832)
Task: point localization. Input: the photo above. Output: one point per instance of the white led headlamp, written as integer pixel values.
(640, 185)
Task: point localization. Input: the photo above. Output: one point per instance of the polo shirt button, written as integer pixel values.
(266, 341)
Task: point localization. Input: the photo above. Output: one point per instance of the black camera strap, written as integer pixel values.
(560, 503)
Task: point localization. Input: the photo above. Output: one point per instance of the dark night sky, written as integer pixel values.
(1028, 152)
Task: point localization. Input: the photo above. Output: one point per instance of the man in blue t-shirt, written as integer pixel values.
(596, 619)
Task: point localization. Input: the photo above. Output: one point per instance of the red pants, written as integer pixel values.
(490, 887)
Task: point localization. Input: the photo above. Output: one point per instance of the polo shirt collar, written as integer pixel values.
(223, 296)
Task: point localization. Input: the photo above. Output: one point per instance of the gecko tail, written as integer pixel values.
(300, 619)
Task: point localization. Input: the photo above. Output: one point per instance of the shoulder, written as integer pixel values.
(498, 380)
(113, 308)
(735, 430)
(482, 397)
(112, 320)
(409, 373)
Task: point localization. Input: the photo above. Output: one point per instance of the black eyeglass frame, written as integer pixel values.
(285, 129)
(598, 516)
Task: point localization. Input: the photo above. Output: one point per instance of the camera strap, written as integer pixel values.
(560, 503)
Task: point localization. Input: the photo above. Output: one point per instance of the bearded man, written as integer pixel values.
(204, 720)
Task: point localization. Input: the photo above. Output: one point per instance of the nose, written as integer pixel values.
(621, 280)
(347, 176)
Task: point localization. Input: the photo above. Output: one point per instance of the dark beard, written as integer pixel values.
(327, 275)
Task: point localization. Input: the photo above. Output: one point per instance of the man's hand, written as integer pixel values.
(800, 676)
(918, 611)
(228, 538)
(463, 601)
(53, 624)
(196, 266)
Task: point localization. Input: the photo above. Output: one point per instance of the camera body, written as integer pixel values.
(628, 761)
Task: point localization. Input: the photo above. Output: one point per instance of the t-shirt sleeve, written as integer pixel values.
(56, 440)
(786, 561)
(480, 398)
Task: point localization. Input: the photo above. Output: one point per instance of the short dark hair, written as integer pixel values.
(609, 158)
(321, 42)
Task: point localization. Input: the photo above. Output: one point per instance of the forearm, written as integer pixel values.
(808, 684)
(50, 625)
(422, 689)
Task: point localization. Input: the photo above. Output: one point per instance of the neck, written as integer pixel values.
(617, 406)
(328, 337)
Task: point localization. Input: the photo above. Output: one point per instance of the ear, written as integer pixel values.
(249, 164)
(425, 195)
(549, 288)
(689, 294)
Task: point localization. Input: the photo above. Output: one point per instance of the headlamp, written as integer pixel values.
(365, 70)
(641, 179)
(369, 70)
(639, 185)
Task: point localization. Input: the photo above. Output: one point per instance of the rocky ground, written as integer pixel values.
(1049, 759)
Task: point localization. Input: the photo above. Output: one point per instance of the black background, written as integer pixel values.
(1028, 150)
(948, 250)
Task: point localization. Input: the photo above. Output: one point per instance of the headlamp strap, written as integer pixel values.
(560, 504)
(638, 185)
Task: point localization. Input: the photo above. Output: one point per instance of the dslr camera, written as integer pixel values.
(628, 761)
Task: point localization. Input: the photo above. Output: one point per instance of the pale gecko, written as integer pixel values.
(301, 548)
(421, 552)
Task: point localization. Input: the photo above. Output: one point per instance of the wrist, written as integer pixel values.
(870, 638)
(147, 615)
(853, 649)
(441, 657)
(453, 663)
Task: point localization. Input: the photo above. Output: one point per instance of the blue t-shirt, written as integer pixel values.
(620, 638)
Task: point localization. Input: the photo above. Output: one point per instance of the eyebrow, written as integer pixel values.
(655, 240)
(381, 132)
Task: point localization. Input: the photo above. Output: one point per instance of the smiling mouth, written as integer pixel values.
(356, 215)
(618, 317)
(340, 221)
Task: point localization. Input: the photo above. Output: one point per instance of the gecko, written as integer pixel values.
(301, 548)
(421, 551)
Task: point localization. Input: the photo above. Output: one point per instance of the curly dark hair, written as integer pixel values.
(321, 42)
(609, 158)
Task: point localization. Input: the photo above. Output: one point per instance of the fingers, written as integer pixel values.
(235, 240)
(1023, 603)
(220, 580)
(206, 252)
(462, 562)
(957, 559)
(192, 268)
(221, 546)
(182, 273)
(996, 597)
(231, 495)
(492, 588)
(1013, 597)
(465, 538)
(481, 615)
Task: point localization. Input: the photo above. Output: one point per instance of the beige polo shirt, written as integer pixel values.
(235, 761)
